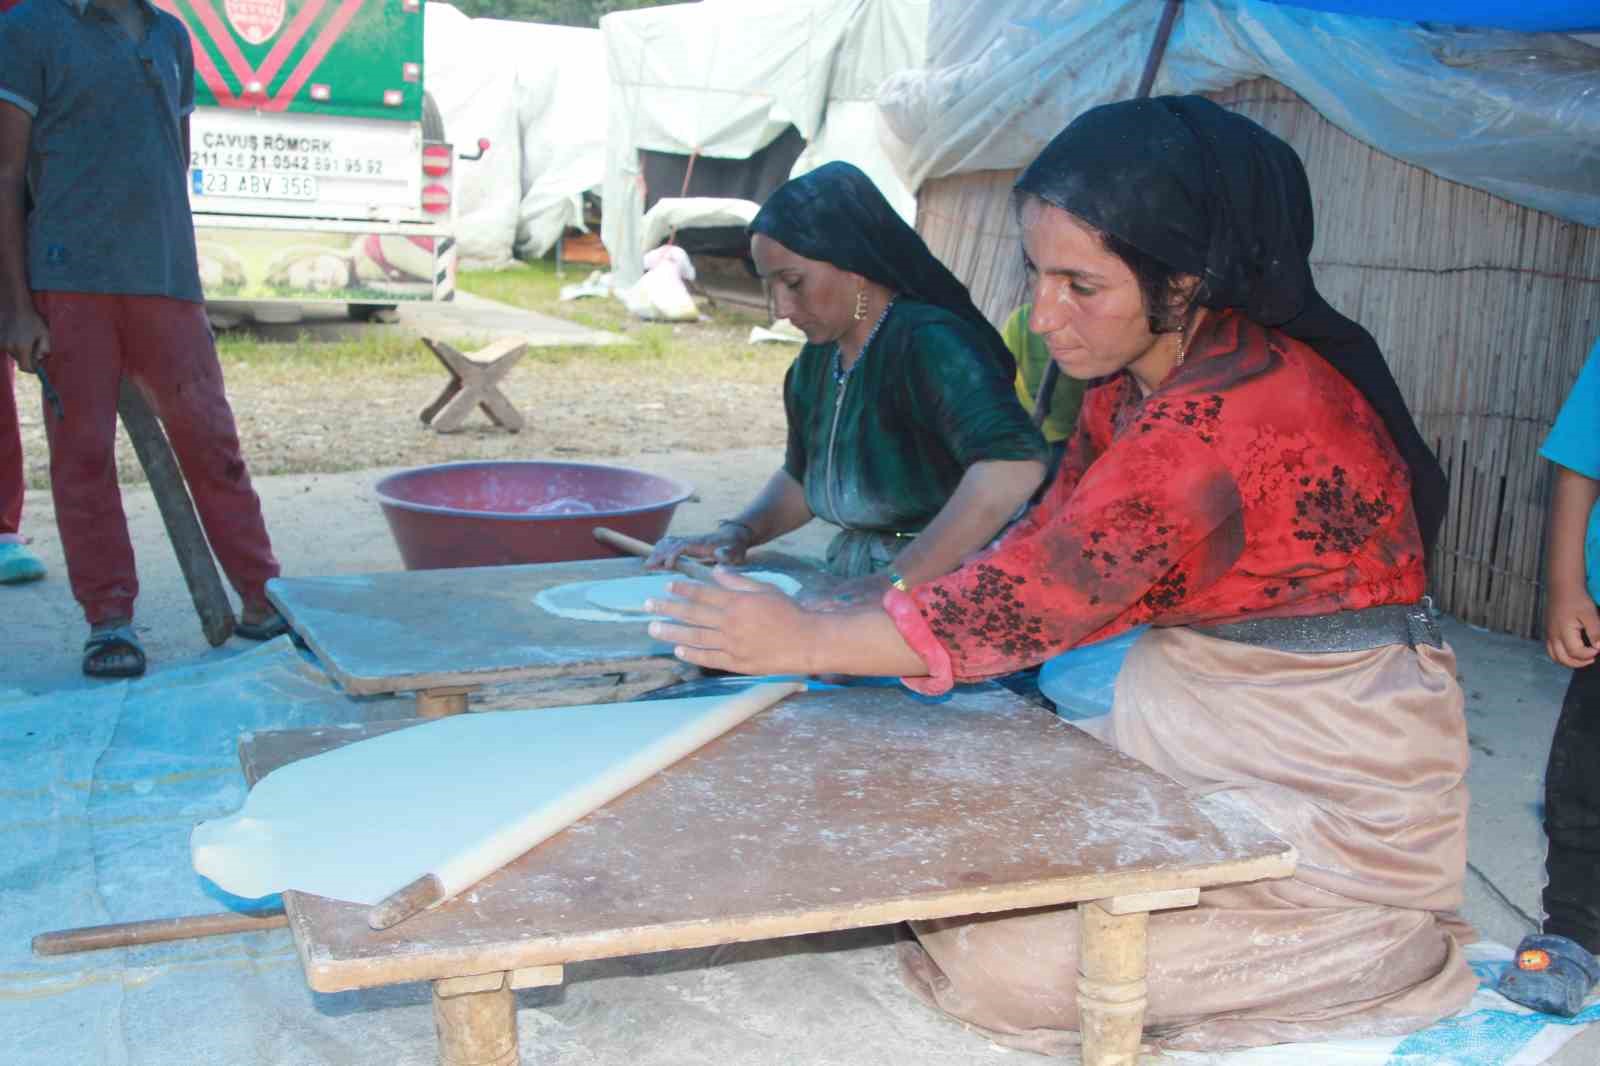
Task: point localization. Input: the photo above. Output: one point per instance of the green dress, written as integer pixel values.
(880, 454)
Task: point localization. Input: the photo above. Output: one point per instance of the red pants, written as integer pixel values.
(10, 453)
(164, 346)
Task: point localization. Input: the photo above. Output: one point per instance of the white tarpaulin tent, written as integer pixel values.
(561, 106)
(533, 91)
(725, 78)
(1514, 114)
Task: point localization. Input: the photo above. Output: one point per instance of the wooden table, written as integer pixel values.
(444, 633)
(834, 810)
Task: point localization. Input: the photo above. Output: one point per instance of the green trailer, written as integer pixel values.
(319, 170)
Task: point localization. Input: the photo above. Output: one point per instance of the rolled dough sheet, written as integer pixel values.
(629, 594)
(362, 821)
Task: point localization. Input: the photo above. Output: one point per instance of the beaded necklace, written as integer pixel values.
(840, 374)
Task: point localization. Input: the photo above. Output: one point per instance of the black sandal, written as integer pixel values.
(266, 629)
(112, 641)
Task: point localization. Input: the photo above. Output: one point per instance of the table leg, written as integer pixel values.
(1111, 985)
(477, 1028)
(442, 702)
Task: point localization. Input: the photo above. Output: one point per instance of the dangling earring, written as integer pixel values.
(861, 303)
(1183, 345)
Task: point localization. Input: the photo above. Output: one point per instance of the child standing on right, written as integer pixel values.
(1555, 970)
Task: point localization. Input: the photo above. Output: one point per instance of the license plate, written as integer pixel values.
(252, 185)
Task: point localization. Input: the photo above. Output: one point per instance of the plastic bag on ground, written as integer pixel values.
(663, 293)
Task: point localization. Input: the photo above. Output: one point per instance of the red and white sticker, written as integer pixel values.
(255, 20)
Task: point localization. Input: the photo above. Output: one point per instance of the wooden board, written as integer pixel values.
(835, 810)
(407, 630)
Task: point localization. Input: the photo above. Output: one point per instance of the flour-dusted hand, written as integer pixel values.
(1571, 628)
(738, 625)
(728, 543)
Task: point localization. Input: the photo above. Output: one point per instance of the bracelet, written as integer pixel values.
(896, 581)
(749, 530)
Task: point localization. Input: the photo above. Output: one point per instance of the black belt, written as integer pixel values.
(1372, 627)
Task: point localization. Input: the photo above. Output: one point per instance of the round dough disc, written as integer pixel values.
(629, 594)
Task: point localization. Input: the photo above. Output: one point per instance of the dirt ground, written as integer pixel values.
(325, 404)
(574, 407)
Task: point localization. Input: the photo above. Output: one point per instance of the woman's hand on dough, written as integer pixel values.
(738, 625)
(725, 544)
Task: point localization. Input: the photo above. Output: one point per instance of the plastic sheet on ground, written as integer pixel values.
(598, 283)
(1491, 1031)
(1514, 114)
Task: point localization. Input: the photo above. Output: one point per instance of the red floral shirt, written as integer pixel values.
(1256, 481)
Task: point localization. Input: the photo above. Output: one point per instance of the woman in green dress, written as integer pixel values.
(904, 425)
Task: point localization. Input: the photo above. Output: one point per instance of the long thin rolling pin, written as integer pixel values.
(155, 931)
(634, 546)
(486, 856)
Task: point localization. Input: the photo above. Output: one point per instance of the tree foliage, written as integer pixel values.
(560, 12)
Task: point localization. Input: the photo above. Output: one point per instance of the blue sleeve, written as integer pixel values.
(1574, 441)
(22, 73)
(185, 74)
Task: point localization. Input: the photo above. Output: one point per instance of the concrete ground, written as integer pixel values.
(331, 524)
(465, 317)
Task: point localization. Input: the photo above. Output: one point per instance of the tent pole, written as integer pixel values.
(1158, 48)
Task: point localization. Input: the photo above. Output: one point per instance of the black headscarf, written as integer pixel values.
(1211, 193)
(835, 214)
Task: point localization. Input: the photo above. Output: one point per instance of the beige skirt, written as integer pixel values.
(1356, 758)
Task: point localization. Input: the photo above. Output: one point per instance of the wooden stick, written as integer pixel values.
(177, 512)
(426, 891)
(1158, 49)
(634, 546)
(156, 931)
(478, 859)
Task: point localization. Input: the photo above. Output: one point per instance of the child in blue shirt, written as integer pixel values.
(1556, 969)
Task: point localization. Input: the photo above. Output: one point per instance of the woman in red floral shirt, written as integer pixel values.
(1246, 479)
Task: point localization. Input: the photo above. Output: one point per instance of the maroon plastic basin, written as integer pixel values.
(496, 513)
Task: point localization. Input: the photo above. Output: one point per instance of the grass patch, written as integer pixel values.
(535, 286)
(368, 351)
(716, 347)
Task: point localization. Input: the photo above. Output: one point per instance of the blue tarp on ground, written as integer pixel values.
(1566, 16)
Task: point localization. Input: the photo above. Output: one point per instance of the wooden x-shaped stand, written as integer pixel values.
(474, 382)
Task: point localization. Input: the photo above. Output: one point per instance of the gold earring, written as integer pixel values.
(1183, 346)
(861, 303)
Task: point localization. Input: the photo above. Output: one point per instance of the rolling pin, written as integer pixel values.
(634, 546)
(484, 857)
(159, 930)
